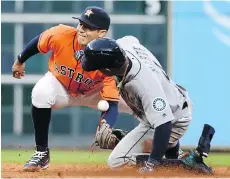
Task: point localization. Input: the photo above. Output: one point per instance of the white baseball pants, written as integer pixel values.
(50, 93)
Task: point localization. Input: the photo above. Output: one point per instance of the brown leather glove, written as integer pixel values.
(105, 139)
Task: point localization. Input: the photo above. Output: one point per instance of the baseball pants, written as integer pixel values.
(50, 93)
(132, 144)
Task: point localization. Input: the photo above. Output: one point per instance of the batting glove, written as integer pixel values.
(149, 166)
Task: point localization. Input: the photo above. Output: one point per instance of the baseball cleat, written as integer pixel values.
(182, 154)
(39, 161)
(195, 161)
(149, 166)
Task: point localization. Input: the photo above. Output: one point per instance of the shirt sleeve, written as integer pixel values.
(109, 91)
(154, 102)
(111, 114)
(47, 40)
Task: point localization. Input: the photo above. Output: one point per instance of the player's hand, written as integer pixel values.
(105, 139)
(18, 69)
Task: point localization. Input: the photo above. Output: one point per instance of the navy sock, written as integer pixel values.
(41, 120)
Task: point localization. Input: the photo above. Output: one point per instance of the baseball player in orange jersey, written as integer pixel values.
(66, 83)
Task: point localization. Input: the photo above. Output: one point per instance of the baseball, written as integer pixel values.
(103, 105)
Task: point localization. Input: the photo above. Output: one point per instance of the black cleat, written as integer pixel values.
(39, 161)
(195, 161)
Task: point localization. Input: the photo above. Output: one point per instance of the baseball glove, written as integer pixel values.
(107, 138)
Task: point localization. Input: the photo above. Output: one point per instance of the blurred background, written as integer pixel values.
(190, 39)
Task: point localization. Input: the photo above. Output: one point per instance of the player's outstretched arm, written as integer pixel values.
(159, 116)
(161, 140)
(30, 50)
(40, 44)
(105, 138)
(18, 68)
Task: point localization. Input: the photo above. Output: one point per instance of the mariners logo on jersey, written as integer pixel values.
(159, 104)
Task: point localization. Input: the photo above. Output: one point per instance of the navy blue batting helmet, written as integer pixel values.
(102, 53)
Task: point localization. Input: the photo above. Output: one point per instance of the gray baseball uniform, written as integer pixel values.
(154, 98)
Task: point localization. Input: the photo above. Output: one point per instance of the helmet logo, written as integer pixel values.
(88, 12)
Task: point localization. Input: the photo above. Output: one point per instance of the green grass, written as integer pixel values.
(58, 156)
(87, 157)
(218, 159)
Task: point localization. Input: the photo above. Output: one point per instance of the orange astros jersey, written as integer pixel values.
(62, 41)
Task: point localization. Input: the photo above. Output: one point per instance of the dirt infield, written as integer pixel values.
(75, 171)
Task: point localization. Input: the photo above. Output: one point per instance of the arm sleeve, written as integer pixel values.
(47, 39)
(110, 91)
(160, 141)
(111, 114)
(30, 50)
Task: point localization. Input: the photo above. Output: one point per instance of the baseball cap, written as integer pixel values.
(95, 17)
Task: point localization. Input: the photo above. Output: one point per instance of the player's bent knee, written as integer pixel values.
(42, 98)
(114, 163)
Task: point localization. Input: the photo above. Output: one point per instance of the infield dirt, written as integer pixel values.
(10, 170)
